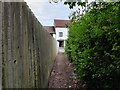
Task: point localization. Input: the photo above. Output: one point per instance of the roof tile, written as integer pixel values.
(61, 23)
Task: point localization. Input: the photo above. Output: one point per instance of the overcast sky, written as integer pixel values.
(46, 12)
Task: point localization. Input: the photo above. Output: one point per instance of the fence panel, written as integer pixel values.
(27, 51)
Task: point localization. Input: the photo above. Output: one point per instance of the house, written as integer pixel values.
(59, 31)
(51, 30)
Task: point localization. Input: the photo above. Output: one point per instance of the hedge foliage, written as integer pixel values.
(93, 47)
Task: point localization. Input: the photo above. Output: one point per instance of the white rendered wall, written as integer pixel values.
(65, 33)
(54, 35)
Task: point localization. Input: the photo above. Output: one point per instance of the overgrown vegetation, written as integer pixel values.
(93, 46)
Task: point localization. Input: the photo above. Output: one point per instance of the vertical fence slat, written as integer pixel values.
(0, 45)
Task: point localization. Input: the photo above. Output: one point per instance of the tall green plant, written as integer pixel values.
(93, 46)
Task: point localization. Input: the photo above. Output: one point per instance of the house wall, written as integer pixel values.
(53, 35)
(27, 51)
(65, 33)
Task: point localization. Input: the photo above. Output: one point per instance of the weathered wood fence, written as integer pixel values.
(27, 51)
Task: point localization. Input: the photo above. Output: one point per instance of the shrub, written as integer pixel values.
(93, 47)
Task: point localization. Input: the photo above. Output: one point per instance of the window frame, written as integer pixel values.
(60, 34)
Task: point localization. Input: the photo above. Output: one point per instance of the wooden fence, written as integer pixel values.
(27, 51)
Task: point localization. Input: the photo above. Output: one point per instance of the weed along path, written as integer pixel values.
(62, 75)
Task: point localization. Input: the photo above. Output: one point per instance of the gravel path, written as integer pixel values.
(62, 75)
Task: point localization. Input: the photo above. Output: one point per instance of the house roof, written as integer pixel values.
(61, 23)
(50, 29)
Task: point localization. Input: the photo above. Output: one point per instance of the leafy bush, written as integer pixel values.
(93, 47)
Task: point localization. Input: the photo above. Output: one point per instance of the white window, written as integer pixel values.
(60, 34)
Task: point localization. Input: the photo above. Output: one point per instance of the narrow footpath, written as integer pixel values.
(62, 75)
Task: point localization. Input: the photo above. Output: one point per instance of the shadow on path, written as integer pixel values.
(62, 75)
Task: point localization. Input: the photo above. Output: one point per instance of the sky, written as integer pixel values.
(46, 12)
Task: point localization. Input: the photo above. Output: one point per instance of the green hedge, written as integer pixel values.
(93, 47)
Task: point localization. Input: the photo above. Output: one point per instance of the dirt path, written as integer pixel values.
(62, 75)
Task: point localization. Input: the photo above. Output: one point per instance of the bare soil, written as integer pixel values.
(62, 75)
